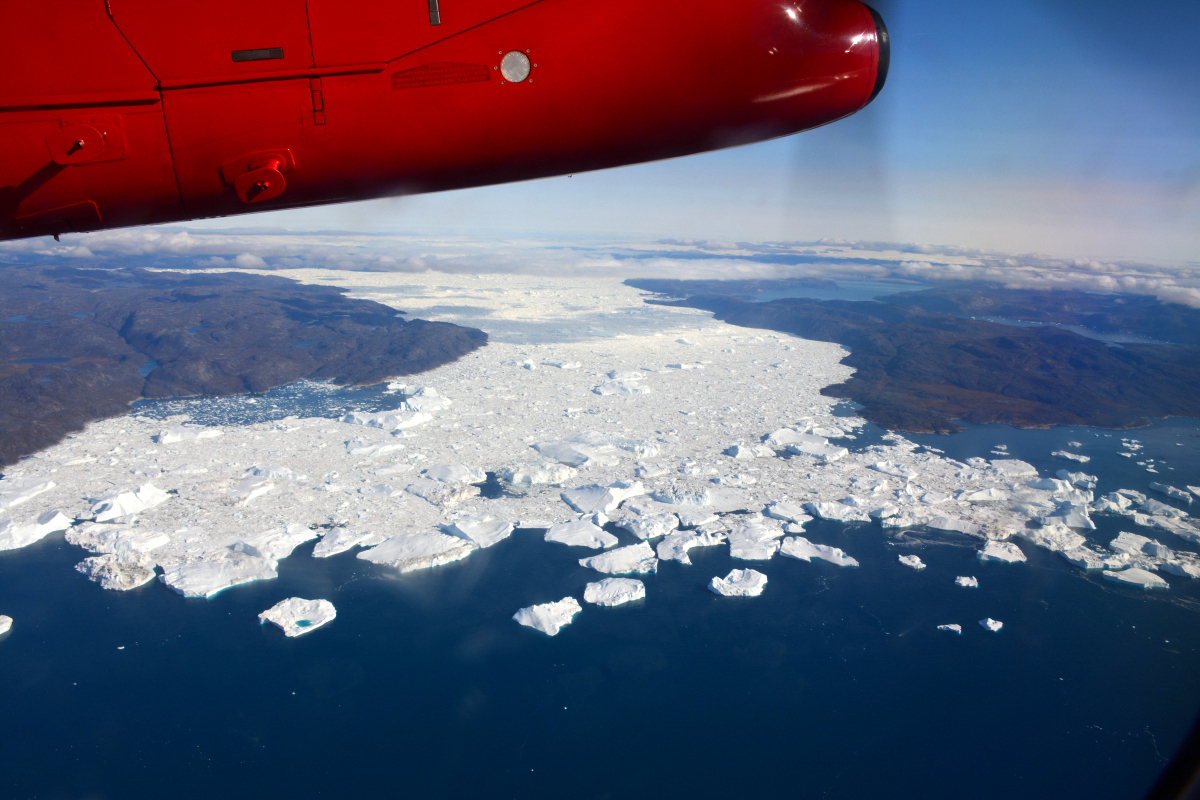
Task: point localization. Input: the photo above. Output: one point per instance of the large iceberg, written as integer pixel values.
(118, 572)
(548, 474)
(217, 570)
(603, 499)
(455, 473)
(124, 504)
(580, 533)
(1136, 577)
(739, 583)
(754, 541)
(952, 628)
(800, 548)
(389, 420)
(549, 618)
(5, 624)
(14, 535)
(340, 539)
(912, 561)
(649, 526)
(990, 624)
(967, 581)
(15, 491)
(614, 591)
(297, 616)
(634, 558)
(484, 531)
(675, 547)
(1000, 551)
(412, 551)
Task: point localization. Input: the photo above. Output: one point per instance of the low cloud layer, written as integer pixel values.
(176, 248)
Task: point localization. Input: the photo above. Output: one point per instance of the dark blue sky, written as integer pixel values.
(1065, 127)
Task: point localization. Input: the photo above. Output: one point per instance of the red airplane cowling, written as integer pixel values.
(129, 112)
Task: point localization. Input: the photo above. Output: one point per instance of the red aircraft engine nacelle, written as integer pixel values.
(128, 112)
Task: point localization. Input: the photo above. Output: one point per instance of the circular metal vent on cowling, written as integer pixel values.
(514, 66)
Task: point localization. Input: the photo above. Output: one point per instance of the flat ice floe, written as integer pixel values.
(1001, 551)
(297, 616)
(614, 591)
(912, 561)
(580, 533)
(739, 583)
(952, 628)
(1136, 577)
(966, 581)
(411, 551)
(549, 618)
(754, 541)
(623, 560)
(800, 548)
(216, 571)
(990, 624)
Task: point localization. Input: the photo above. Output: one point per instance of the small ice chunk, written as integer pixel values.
(823, 451)
(838, 512)
(388, 420)
(739, 583)
(580, 533)
(895, 470)
(951, 629)
(484, 532)
(990, 624)
(548, 474)
(1071, 456)
(5, 624)
(966, 581)
(743, 451)
(912, 561)
(455, 473)
(634, 558)
(186, 433)
(297, 616)
(412, 551)
(614, 591)
(1136, 577)
(675, 547)
(1000, 551)
(804, 550)
(549, 618)
(621, 387)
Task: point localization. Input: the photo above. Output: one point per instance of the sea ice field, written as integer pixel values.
(619, 528)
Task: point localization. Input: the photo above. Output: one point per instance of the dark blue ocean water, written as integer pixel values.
(834, 683)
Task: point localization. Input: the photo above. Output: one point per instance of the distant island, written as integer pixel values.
(922, 364)
(78, 345)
